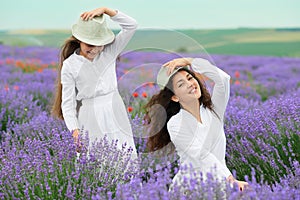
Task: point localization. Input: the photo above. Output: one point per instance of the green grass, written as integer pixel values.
(290, 49)
(242, 41)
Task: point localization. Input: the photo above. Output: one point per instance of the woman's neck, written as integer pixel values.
(193, 108)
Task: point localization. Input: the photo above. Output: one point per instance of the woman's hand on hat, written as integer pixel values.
(97, 12)
(178, 62)
(93, 13)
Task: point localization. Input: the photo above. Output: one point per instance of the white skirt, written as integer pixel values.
(106, 115)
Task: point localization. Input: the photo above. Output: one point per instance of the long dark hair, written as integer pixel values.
(161, 106)
(67, 49)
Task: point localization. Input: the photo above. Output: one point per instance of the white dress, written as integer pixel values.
(94, 83)
(203, 145)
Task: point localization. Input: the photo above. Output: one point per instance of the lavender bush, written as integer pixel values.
(264, 136)
(16, 108)
(38, 158)
(46, 166)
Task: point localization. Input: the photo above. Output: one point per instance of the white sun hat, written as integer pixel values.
(163, 77)
(93, 31)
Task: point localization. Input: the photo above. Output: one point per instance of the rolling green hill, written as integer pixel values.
(242, 41)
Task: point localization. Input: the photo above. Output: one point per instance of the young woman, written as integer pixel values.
(194, 118)
(87, 74)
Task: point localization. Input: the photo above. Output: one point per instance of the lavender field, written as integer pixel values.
(38, 158)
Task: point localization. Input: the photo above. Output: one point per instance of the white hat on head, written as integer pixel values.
(93, 31)
(163, 78)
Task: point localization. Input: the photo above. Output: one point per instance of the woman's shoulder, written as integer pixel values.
(180, 125)
(72, 64)
(72, 59)
(175, 120)
(75, 60)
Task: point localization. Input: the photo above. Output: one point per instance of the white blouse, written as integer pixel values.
(93, 78)
(203, 144)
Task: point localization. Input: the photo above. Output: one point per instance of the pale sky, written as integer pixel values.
(170, 14)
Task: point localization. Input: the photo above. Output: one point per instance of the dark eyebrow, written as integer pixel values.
(180, 80)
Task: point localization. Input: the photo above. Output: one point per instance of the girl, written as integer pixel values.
(194, 119)
(87, 74)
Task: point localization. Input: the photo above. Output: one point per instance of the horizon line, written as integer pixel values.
(156, 28)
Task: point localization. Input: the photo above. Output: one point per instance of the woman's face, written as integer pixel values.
(186, 88)
(90, 51)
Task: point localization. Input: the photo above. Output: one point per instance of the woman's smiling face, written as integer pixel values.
(90, 51)
(185, 87)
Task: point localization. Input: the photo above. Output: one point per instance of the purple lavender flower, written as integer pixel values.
(38, 158)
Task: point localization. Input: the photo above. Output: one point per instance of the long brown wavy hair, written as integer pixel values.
(67, 49)
(159, 135)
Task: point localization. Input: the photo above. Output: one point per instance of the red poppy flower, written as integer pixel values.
(130, 109)
(237, 74)
(144, 94)
(6, 87)
(135, 94)
(237, 82)
(16, 87)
